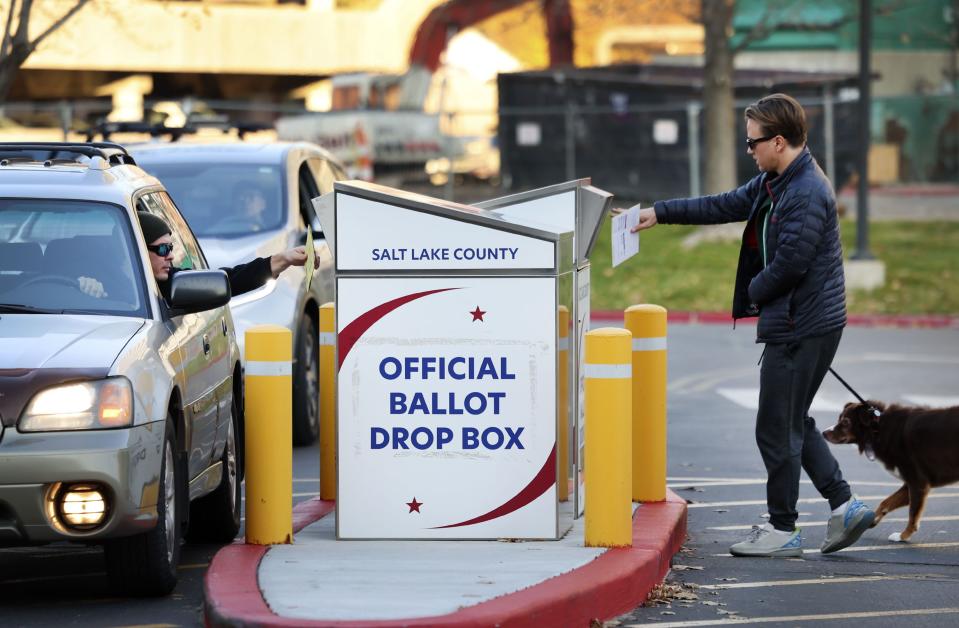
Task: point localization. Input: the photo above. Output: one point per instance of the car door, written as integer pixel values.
(203, 341)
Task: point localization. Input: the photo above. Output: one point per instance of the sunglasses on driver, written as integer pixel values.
(161, 249)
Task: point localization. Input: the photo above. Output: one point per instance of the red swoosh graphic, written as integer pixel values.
(352, 332)
(536, 487)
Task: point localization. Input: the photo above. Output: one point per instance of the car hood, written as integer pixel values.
(41, 341)
(220, 252)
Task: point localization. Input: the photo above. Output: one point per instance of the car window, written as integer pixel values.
(322, 172)
(308, 191)
(224, 200)
(69, 257)
(184, 230)
(186, 251)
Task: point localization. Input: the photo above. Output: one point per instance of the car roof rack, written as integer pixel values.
(50, 153)
(193, 125)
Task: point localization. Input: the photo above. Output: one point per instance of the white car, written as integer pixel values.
(246, 200)
(119, 421)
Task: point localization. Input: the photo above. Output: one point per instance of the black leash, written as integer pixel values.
(854, 393)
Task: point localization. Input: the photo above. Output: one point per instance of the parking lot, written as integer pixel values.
(715, 465)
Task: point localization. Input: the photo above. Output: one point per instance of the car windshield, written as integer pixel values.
(223, 200)
(59, 256)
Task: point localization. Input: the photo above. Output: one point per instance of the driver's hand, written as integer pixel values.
(297, 257)
(92, 287)
(291, 257)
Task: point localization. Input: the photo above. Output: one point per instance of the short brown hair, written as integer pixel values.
(779, 114)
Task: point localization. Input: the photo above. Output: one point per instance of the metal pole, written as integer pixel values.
(448, 140)
(570, 142)
(695, 177)
(865, 102)
(66, 118)
(829, 133)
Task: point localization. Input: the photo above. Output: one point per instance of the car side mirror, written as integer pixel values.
(198, 291)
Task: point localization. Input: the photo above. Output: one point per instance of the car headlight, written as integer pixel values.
(254, 295)
(101, 404)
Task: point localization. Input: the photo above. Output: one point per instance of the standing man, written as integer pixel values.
(791, 276)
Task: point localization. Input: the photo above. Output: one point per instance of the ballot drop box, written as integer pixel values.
(447, 366)
(579, 207)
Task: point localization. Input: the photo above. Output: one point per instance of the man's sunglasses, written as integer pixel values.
(751, 142)
(160, 249)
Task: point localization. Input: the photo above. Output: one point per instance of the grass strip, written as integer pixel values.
(922, 269)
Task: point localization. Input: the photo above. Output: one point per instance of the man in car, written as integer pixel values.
(243, 278)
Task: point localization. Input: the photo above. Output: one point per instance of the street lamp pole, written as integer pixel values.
(865, 101)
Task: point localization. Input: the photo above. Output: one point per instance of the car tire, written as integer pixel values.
(146, 564)
(306, 385)
(215, 518)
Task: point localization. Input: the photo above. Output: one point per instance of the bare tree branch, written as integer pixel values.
(6, 28)
(57, 24)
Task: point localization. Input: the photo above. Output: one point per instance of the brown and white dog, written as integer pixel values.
(918, 445)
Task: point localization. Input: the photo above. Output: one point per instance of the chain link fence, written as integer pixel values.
(638, 152)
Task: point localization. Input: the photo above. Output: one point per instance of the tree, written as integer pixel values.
(17, 45)
(718, 95)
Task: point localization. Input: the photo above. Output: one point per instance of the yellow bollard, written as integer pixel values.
(608, 438)
(562, 407)
(327, 402)
(269, 435)
(648, 326)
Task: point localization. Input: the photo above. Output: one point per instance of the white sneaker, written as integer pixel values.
(845, 528)
(765, 540)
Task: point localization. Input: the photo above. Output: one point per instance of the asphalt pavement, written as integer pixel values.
(715, 464)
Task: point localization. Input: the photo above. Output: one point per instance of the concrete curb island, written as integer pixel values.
(613, 583)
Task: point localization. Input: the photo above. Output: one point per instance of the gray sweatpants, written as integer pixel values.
(787, 436)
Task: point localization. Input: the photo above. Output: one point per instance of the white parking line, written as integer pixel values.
(706, 483)
(806, 500)
(798, 618)
(787, 583)
(870, 548)
(749, 398)
(813, 524)
(934, 401)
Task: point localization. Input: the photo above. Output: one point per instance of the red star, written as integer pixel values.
(478, 314)
(414, 505)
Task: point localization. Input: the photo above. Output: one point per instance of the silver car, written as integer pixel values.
(246, 200)
(119, 421)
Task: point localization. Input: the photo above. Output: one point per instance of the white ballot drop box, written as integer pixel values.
(447, 356)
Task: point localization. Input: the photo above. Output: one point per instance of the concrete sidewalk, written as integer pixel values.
(319, 581)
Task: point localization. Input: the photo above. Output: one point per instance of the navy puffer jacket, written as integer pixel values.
(801, 291)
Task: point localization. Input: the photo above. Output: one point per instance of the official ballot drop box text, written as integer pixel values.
(446, 321)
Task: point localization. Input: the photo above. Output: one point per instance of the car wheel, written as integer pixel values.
(215, 518)
(146, 564)
(306, 386)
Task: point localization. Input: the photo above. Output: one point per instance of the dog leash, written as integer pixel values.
(855, 394)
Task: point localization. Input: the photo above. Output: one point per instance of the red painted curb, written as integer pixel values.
(919, 321)
(612, 584)
(231, 589)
